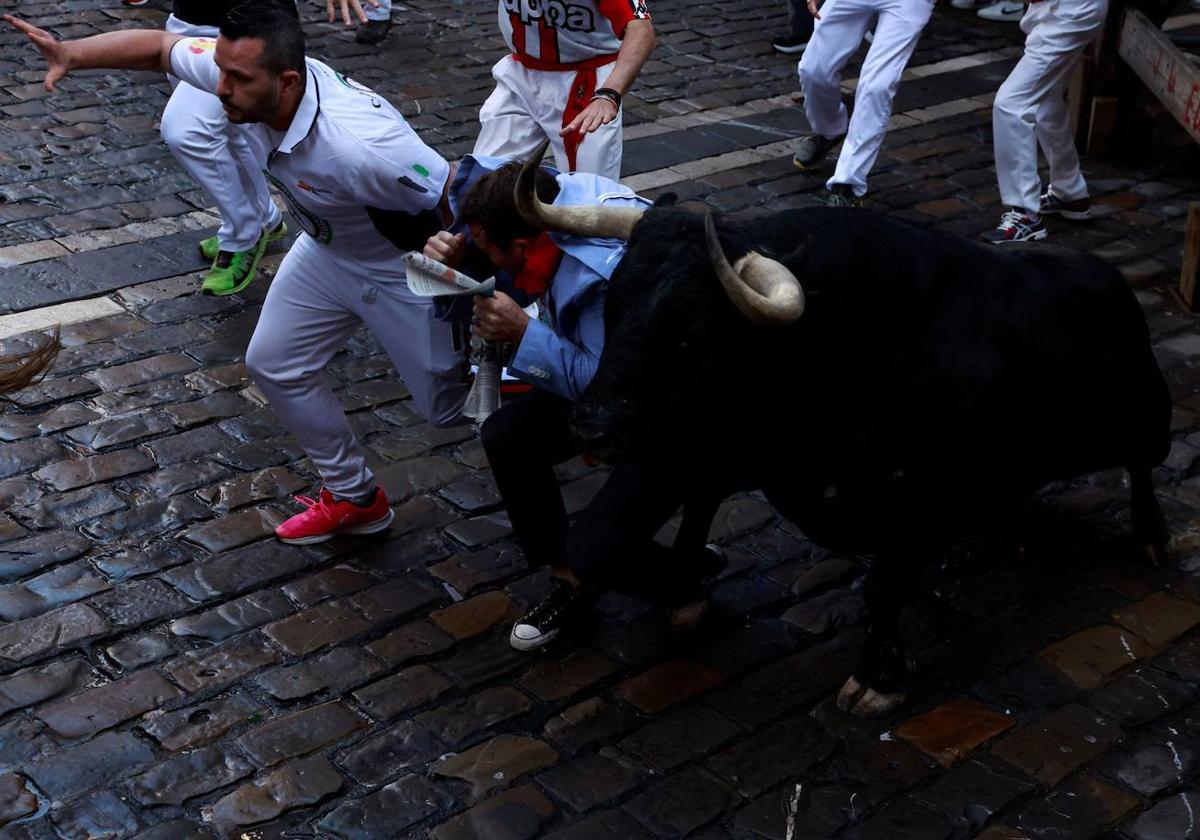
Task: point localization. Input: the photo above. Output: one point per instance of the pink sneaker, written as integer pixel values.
(326, 517)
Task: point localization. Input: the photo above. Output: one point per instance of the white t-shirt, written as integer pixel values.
(567, 31)
(355, 175)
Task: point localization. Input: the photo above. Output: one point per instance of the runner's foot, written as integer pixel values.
(209, 248)
(325, 517)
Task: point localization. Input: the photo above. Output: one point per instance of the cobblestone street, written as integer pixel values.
(169, 671)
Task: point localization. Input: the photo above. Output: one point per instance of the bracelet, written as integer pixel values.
(609, 94)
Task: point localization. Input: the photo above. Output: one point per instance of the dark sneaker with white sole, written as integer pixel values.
(1015, 226)
(1077, 210)
(791, 45)
(543, 623)
(812, 149)
(842, 195)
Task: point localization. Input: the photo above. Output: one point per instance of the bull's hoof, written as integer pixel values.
(852, 691)
(864, 702)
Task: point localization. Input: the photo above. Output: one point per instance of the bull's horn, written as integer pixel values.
(600, 222)
(762, 289)
(22, 369)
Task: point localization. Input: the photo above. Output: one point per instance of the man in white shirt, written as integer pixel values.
(568, 68)
(364, 189)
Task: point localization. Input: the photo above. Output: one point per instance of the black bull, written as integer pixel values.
(928, 379)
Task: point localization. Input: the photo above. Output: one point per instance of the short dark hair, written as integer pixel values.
(489, 204)
(277, 24)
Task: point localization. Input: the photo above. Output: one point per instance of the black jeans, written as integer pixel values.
(611, 545)
(800, 18)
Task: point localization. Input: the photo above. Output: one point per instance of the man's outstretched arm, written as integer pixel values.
(129, 49)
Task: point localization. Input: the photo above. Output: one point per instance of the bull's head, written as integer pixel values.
(674, 308)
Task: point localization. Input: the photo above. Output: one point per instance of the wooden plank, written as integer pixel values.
(1191, 257)
(1163, 68)
(1102, 125)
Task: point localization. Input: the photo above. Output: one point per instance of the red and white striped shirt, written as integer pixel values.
(565, 32)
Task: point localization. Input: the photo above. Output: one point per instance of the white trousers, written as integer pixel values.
(220, 157)
(527, 107)
(381, 12)
(836, 37)
(317, 301)
(1030, 109)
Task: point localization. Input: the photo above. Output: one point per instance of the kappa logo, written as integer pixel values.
(556, 14)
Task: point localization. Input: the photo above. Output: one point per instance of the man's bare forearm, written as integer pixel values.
(636, 47)
(129, 49)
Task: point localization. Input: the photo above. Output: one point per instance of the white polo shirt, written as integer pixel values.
(355, 175)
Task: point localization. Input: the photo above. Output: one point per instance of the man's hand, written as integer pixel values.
(598, 112)
(499, 318)
(348, 6)
(812, 9)
(447, 248)
(56, 53)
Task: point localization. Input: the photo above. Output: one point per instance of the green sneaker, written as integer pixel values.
(233, 271)
(209, 248)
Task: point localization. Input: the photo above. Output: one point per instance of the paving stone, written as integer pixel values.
(248, 568)
(209, 669)
(517, 814)
(681, 803)
(323, 625)
(1077, 809)
(953, 730)
(394, 599)
(475, 615)
(302, 782)
(416, 475)
(1141, 696)
(234, 616)
(135, 651)
(338, 669)
(49, 633)
(1159, 618)
(26, 455)
(1173, 817)
(613, 824)
(216, 406)
(679, 736)
(906, 820)
(61, 585)
(71, 474)
(304, 731)
(386, 812)
(44, 682)
(1090, 657)
(171, 481)
(588, 722)
(233, 530)
(559, 679)
(140, 602)
(402, 746)
(975, 791)
(456, 721)
(102, 815)
(69, 772)
(146, 519)
(23, 557)
(876, 769)
(328, 583)
(666, 684)
(590, 780)
(198, 772)
(1152, 761)
(398, 693)
(1028, 690)
(783, 750)
(121, 564)
(175, 830)
(16, 799)
(412, 641)
(496, 763)
(265, 485)
(820, 811)
(99, 708)
(66, 510)
(1054, 746)
(203, 723)
(482, 662)
(827, 611)
(466, 572)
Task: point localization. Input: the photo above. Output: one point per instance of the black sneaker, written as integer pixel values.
(812, 150)
(1015, 226)
(541, 624)
(373, 31)
(1052, 205)
(791, 45)
(842, 195)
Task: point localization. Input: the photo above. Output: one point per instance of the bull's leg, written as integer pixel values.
(880, 678)
(1150, 532)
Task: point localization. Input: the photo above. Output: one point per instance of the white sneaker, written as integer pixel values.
(1005, 10)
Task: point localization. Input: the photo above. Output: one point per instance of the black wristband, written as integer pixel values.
(609, 94)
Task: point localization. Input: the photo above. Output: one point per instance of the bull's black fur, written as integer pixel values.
(929, 380)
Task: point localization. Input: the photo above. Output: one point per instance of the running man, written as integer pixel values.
(568, 68)
(364, 189)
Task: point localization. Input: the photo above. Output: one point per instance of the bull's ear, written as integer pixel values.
(666, 200)
(799, 254)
